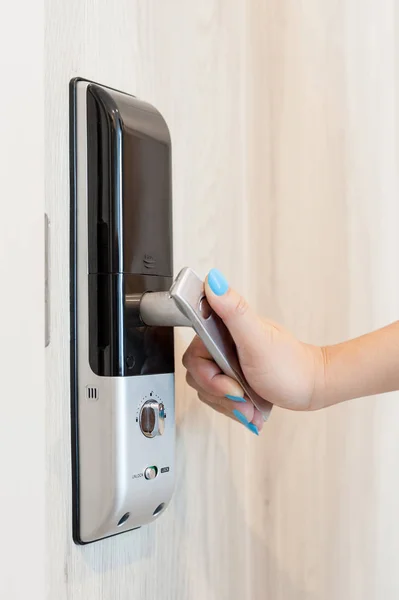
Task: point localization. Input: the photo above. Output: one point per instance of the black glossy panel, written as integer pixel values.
(129, 177)
(130, 231)
(119, 344)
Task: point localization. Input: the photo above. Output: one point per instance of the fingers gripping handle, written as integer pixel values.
(185, 305)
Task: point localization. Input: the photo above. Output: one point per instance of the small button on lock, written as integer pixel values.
(147, 421)
(130, 361)
(150, 472)
(152, 418)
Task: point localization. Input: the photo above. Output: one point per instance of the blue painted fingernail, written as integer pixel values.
(243, 419)
(235, 398)
(217, 282)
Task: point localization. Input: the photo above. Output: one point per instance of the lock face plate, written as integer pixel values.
(121, 245)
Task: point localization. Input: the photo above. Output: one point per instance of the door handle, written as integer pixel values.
(185, 305)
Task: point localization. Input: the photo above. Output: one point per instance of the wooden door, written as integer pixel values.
(282, 116)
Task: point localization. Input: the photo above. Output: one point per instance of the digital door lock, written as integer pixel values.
(124, 305)
(186, 305)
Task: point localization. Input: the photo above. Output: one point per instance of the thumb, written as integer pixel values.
(245, 327)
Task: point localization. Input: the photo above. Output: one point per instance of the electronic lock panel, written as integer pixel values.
(122, 371)
(124, 305)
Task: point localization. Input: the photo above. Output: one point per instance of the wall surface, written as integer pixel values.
(22, 398)
(283, 118)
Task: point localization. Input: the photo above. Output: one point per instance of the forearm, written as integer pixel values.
(360, 367)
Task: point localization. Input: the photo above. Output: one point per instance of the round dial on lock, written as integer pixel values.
(152, 418)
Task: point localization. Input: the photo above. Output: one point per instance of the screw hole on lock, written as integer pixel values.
(123, 519)
(158, 509)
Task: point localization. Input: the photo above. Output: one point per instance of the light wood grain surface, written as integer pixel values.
(283, 118)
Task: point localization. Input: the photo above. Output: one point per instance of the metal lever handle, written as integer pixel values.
(159, 309)
(185, 304)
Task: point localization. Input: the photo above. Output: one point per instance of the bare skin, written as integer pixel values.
(284, 370)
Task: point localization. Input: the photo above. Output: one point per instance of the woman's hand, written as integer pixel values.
(280, 368)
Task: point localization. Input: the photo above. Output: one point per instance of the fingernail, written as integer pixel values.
(235, 398)
(243, 419)
(217, 282)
